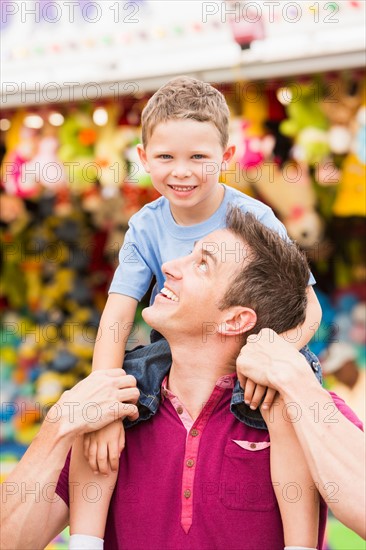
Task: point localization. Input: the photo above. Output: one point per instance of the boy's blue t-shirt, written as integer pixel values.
(154, 238)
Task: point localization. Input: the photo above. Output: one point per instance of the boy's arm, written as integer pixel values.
(293, 485)
(114, 329)
(300, 336)
(102, 448)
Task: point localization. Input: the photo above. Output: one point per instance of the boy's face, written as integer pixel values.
(184, 159)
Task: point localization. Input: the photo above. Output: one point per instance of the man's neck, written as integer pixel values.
(194, 373)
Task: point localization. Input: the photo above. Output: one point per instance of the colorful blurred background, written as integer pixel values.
(76, 76)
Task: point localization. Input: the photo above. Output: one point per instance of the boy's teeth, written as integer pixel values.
(180, 188)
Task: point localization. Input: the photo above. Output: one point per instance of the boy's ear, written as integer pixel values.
(142, 154)
(237, 320)
(229, 153)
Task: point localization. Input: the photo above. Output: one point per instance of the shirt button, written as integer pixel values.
(187, 493)
(190, 463)
(194, 432)
(179, 410)
(253, 446)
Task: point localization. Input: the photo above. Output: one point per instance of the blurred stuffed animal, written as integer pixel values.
(344, 361)
(351, 193)
(290, 193)
(340, 104)
(77, 136)
(45, 167)
(307, 125)
(17, 178)
(109, 149)
(254, 113)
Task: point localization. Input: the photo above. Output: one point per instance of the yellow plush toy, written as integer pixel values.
(351, 195)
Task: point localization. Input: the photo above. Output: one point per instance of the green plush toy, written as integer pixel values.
(307, 125)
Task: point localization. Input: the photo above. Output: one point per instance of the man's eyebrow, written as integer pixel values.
(209, 254)
(204, 250)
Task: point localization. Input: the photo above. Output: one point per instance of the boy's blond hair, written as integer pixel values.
(186, 98)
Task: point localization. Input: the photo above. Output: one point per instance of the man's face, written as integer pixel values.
(195, 284)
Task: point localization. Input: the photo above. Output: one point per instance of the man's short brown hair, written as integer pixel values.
(273, 282)
(186, 98)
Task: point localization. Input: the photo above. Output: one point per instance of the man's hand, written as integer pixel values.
(98, 400)
(266, 360)
(102, 449)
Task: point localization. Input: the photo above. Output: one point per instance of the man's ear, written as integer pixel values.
(142, 154)
(237, 320)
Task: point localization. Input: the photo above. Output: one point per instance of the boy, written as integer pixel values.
(184, 146)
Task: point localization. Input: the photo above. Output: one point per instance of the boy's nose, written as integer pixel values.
(181, 173)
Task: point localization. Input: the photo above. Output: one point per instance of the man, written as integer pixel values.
(194, 471)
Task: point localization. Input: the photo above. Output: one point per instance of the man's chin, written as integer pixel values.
(149, 317)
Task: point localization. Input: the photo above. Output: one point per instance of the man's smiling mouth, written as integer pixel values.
(169, 294)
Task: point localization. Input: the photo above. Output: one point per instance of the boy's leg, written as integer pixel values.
(88, 512)
(297, 497)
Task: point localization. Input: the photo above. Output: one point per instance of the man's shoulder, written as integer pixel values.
(345, 410)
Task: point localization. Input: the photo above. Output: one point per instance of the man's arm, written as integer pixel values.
(333, 446)
(28, 495)
(32, 513)
(334, 449)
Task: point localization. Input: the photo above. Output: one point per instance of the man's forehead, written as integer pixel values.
(223, 246)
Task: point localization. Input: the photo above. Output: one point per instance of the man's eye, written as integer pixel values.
(202, 265)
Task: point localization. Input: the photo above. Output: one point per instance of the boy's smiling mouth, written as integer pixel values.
(182, 188)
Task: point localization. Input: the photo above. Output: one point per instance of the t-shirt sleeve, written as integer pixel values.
(345, 410)
(269, 219)
(133, 274)
(62, 488)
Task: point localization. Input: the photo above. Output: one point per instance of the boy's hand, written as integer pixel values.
(102, 449)
(254, 393)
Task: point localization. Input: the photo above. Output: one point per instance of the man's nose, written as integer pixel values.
(172, 269)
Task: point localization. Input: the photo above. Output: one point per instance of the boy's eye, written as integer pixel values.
(198, 157)
(165, 156)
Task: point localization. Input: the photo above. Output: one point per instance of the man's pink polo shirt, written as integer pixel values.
(196, 485)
